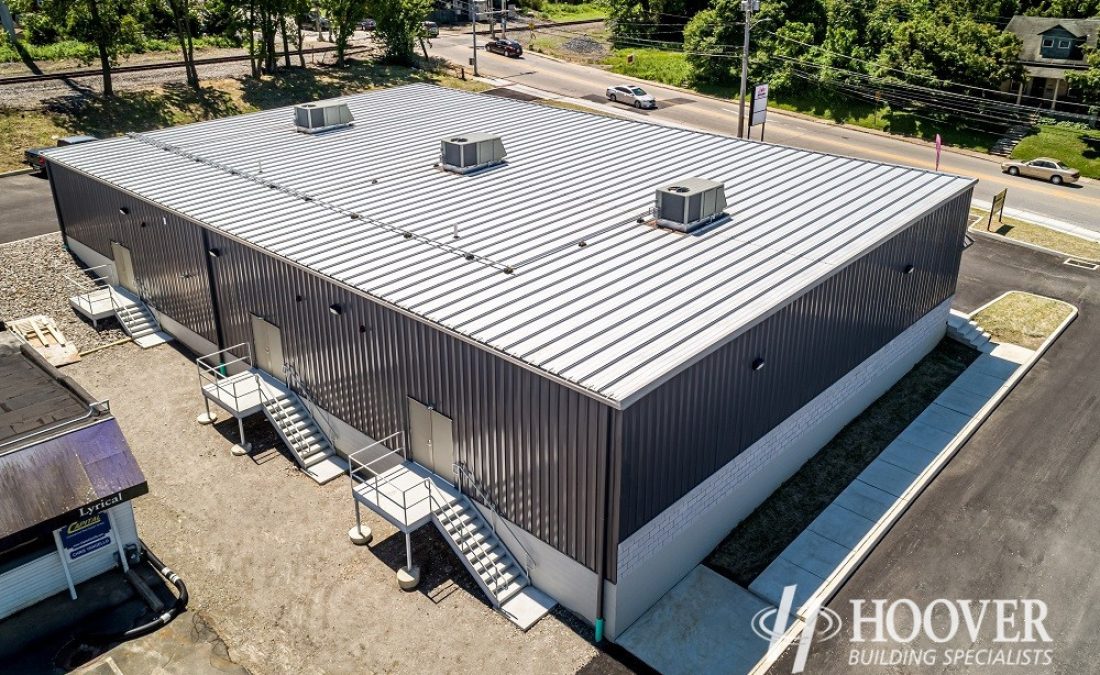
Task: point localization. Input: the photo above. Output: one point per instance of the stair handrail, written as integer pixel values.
(463, 540)
(468, 476)
(295, 442)
(298, 383)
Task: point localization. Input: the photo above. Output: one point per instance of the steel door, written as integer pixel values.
(124, 267)
(431, 440)
(268, 341)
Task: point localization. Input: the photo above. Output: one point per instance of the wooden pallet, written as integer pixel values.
(41, 332)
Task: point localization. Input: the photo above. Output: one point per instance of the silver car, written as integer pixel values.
(1043, 168)
(631, 95)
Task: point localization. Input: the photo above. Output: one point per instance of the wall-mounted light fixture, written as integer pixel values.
(143, 223)
(758, 363)
(298, 298)
(124, 210)
(362, 328)
(908, 269)
(214, 252)
(336, 308)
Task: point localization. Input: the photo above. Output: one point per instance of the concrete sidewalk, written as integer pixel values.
(820, 551)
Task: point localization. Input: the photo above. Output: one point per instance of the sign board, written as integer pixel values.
(86, 536)
(998, 207)
(939, 149)
(759, 113)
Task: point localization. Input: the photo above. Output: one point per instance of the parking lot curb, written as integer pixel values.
(17, 172)
(862, 550)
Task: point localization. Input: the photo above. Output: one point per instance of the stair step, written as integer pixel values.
(316, 458)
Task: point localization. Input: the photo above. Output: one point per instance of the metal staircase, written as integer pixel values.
(505, 580)
(137, 320)
(300, 432)
(491, 564)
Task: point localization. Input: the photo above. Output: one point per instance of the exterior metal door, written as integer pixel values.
(124, 267)
(268, 341)
(431, 440)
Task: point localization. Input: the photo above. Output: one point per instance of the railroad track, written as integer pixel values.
(74, 74)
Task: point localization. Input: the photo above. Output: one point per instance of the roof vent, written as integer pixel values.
(690, 204)
(470, 152)
(312, 118)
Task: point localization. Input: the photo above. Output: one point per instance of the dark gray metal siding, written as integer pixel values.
(692, 425)
(169, 259)
(537, 446)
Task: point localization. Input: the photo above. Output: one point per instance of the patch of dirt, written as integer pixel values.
(266, 558)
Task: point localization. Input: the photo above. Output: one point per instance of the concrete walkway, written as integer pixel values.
(702, 625)
(841, 528)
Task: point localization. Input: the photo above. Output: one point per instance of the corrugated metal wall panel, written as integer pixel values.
(682, 432)
(533, 443)
(169, 258)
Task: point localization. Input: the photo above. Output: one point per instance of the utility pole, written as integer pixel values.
(504, 20)
(748, 6)
(473, 31)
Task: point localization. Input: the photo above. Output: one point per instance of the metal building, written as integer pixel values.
(621, 392)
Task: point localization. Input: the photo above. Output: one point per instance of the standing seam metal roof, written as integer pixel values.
(615, 316)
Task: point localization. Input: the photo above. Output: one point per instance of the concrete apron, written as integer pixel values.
(707, 623)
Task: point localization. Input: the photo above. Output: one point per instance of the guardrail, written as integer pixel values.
(91, 288)
(370, 477)
(213, 369)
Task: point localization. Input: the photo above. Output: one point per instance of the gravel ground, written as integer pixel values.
(265, 554)
(32, 281)
(586, 46)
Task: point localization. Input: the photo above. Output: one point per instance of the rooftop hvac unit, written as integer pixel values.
(690, 204)
(469, 152)
(312, 118)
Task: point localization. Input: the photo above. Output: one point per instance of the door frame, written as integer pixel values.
(439, 442)
(119, 251)
(269, 326)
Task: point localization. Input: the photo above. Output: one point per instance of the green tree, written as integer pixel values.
(937, 47)
(343, 15)
(399, 26)
(1087, 82)
(184, 22)
(112, 26)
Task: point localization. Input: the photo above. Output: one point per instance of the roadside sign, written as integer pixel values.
(998, 207)
(759, 105)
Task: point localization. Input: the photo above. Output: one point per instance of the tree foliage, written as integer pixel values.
(399, 25)
(1087, 82)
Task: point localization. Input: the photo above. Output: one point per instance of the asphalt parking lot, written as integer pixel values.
(27, 207)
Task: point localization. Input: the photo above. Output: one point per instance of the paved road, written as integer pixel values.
(26, 207)
(1015, 514)
(1077, 205)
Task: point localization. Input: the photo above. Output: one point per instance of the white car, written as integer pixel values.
(631, 95)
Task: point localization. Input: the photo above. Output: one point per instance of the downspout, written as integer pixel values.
(214, 305)
(605, 509)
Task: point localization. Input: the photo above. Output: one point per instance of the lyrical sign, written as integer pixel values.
(86, 536)
(759, 105)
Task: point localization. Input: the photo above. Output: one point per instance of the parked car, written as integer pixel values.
(1043, 168)
(631, 95)
(430, 29)
(368, 24)
(37, 161)
(509, 48)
